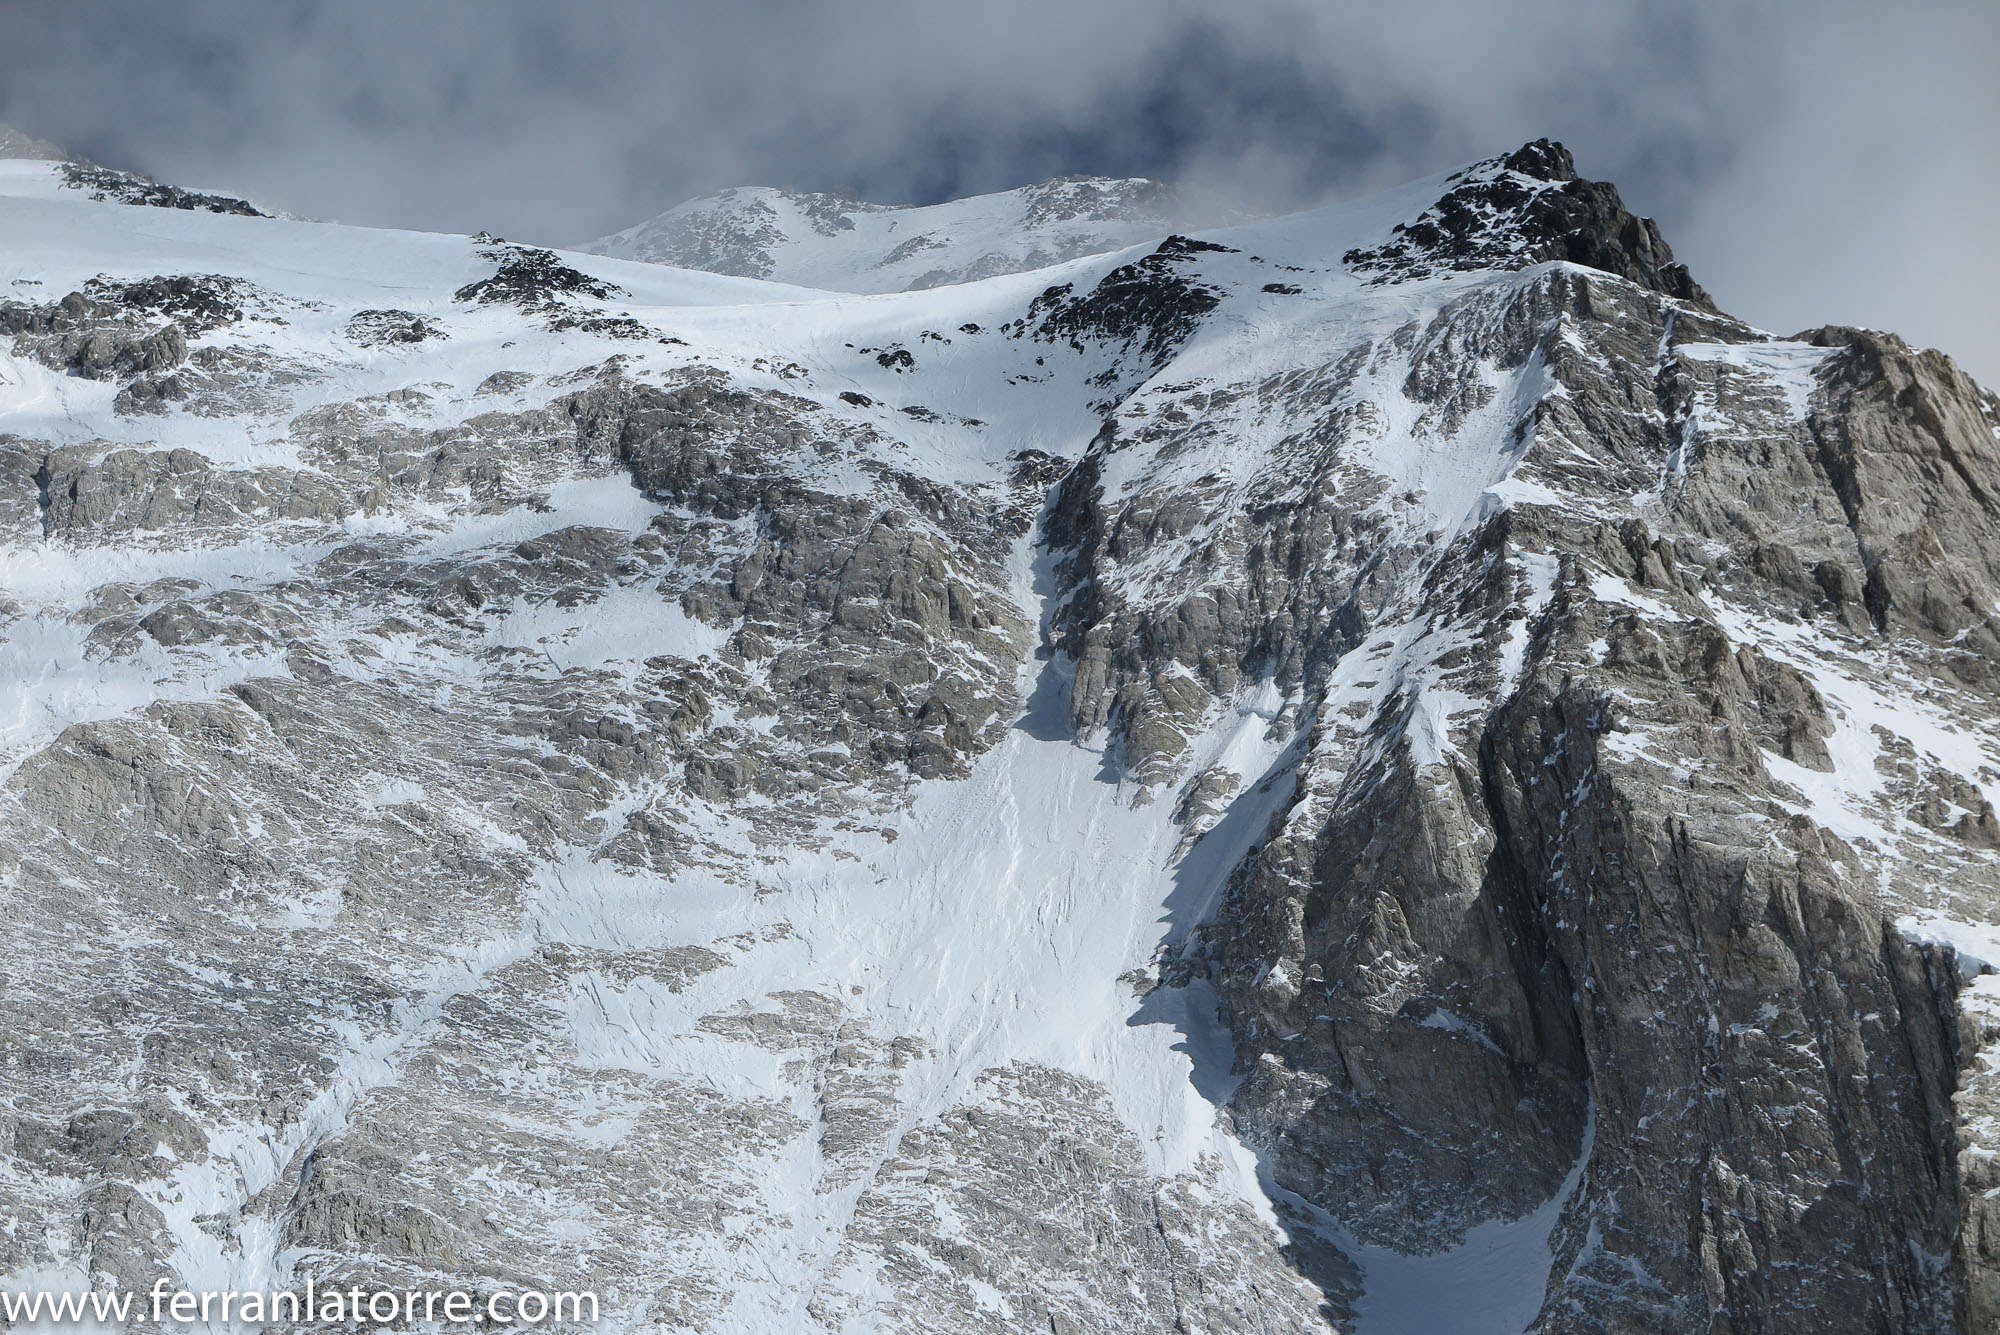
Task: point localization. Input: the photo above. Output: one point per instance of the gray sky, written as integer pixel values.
(1814, 161)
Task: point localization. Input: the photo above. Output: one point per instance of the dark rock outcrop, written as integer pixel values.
(1527, 208)
(1148, 308)
(102, 183)
(531, 279)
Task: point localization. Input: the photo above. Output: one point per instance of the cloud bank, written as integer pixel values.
(1812, 160)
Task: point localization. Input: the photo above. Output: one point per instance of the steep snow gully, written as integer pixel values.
(1389, 770)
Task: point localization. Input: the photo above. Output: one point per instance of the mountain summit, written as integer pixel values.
(1528, 207)
(1390, 770)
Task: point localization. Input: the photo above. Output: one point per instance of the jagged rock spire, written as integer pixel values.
(1530, 207)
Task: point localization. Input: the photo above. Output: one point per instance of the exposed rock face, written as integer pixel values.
(1118, 811)
(1044, 1168)
(166, 340)
(1471, 933)
(1146, 309)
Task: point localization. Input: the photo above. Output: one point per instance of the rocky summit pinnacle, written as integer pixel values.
(1526, 207)
(1388, 770)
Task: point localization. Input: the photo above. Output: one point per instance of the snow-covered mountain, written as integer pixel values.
(825, 241)
(1390, 769)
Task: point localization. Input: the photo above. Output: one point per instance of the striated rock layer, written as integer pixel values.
(1389, 770)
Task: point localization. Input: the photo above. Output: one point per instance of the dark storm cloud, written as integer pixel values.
(1813, 161)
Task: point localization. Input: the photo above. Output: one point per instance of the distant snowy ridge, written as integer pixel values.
(846, 245)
